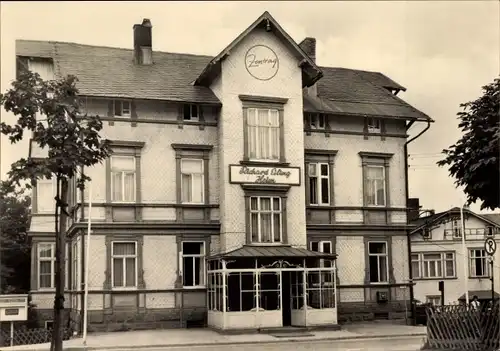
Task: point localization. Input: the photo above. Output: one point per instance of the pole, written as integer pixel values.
(464, 255)
(86, 274)
(492, 282)
(11, 334)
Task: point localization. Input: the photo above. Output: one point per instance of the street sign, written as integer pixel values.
(490, 246)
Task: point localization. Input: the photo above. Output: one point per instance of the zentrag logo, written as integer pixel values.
(262, 62)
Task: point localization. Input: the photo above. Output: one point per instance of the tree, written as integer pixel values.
(72, 141)
(14, 245)
(473, 160)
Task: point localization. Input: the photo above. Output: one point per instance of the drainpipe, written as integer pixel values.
(408, 231)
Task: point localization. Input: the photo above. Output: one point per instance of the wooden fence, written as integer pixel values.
(458, 327)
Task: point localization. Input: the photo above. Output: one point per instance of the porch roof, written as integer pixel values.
(481, 295)
(253, 251)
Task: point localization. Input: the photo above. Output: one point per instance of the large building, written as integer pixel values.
(252, 189)
(438, 255)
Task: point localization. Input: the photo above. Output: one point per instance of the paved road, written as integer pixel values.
(392, 344)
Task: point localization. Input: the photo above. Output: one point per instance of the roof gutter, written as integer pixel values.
(408, 231)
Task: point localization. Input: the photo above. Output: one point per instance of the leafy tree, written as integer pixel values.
(473, 160)
(70, 140)
(14, 245)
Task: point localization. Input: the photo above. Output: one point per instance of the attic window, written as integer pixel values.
(373, 125)
(191, 113)
(316, 121)
(122, 108)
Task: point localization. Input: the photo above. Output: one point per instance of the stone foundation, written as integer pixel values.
(368, 311)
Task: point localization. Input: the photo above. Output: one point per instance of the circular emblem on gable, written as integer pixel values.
(262, 62)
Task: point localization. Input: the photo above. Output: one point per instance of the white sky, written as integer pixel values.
(442, 52)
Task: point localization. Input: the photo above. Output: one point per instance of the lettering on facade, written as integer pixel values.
(264, 175)
(261, 62)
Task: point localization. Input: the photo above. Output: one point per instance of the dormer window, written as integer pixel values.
(191, 113)
(317, 121)
(374, 125)
(122, 108)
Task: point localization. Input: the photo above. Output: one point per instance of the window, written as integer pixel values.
(124, 264)
(191, 113)
(317, 121)
(435, 300)
(433, 265)
(46, 265)
(192, 185)
(375, 185)
(479, 265)
(324, 247)
(193, 264)
(266, 219)
(123, 170)
(75, 284)
(378, 262)
(45, 193)
(374, 125)
(263, 134)
(49, 325)
(122, 108)
(456, 229)
(319, 183)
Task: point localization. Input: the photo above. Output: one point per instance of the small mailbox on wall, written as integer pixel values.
(13, 308)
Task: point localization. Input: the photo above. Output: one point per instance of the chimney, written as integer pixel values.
(413, 209)
(308, 45)
(143, 47)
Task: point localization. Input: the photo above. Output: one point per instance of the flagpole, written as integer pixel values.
(86, 273)
(464, 255)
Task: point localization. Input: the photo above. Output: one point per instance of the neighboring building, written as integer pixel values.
(437, 254)
(242, 175)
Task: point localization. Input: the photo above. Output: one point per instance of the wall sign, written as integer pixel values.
(262, 62)
(264, 175)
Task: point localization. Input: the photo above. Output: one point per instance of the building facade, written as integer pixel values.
(438, 255)
(251, 189)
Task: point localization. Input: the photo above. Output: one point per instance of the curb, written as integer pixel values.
(228, 343)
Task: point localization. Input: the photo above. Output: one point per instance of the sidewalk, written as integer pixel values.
(195, 337)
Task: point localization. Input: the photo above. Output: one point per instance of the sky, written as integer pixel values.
(443, 52)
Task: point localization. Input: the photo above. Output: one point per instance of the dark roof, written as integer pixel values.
(272, 251)
(111, 72)
(481, 295)
(492, 218)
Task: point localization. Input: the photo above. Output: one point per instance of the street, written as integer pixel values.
(387, 344)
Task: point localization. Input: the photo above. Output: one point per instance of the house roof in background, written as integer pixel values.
(111, 72)
(273, 251)
(491, 218)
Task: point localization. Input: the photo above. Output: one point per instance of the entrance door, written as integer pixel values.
(286, 298)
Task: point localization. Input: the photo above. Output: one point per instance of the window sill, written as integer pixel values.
(135, 288)
(44, 290)
(433, 279)
(482, 277)
(268, 244)
(264, 163)
(198, 287)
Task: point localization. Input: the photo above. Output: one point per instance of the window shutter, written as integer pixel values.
(133, 113)
(382, 128)
(365, 128)
(201, 117)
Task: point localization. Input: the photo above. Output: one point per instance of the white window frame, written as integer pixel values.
(124, 257)
(456, 229)
(76, 265)
(41, 196)
(485, 263)
(125, 112)
(67, 265)
(321, 248)
(191, 118)
(202, 256)
(202, 177)
(423, 262)
(123, 172)
(319, 177)
(269, 129)
(432, 299)
(415, 258)
(378, 255)
(272, 212)
(51, 259)
(368, 180)
(374, 125)
(317, 121)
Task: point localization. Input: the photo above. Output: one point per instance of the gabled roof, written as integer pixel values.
(310, 72)
(420, 223)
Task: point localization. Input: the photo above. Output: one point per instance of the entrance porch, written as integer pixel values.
(258, 287)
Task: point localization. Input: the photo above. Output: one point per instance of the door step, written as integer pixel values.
(287, 332)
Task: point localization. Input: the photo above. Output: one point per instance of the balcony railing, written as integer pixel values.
(471, 233)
